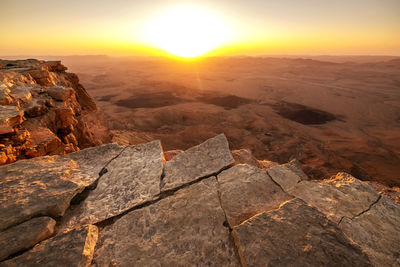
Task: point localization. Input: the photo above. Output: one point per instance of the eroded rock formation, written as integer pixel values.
(126, 206)
(44, 110)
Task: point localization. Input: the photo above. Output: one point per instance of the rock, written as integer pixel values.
(295, 235)
(132, 178)
(92, 161)
(377, 231)
(10, 117)
(287, 175)
(246, 191)
(266, 164)
(342, 196)
(49, 98)
(200, 161)
(40, 186)
(168, 155)
(25, 235)
(36, 108)
(74, 248)
(244, 156)
(21, 93)
(60, 93)
(185, 229)
(43, 142)
(5, 98)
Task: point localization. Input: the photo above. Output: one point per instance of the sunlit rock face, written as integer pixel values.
(44, 110)
(105, 206)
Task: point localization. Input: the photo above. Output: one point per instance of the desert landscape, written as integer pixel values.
(244, 133)
(341, 114)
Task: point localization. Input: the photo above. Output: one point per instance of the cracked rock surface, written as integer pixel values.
(25, 235)
(207, 158)
(185, 229)
(196, 209)
(131, 179)
(296, 234)
(246, 191)
(74, 248)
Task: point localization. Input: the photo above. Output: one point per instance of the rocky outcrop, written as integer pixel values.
(198, 208)
(45, 111)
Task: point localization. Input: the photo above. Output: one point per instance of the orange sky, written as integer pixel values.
(258, 27)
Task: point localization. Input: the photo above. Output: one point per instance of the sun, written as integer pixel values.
(187, 31)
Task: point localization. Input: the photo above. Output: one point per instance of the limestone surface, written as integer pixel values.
(246, 191)
(200, 161)
(131, 179)
(25, 235)
(339, 197)
(377, 231)
(295, 235)
(74, 248)
(185, 229)
(40, 186)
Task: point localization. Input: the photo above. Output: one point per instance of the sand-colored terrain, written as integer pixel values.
(331, 116)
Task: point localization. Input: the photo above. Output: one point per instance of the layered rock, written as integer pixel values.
(45, 111)
(198, 208)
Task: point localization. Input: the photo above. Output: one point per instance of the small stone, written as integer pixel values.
(197, 162)
(25, 235)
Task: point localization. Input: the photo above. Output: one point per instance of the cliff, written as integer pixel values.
(44, 110)
(114, 205)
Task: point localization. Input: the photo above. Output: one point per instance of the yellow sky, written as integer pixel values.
(258, 27)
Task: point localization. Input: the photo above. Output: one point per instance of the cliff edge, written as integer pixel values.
(44, 110)
(114, 205)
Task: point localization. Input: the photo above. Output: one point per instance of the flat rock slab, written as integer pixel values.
(132, 178)
(377, 231)
(74, 248)
(200, 161)
(295, 235)
(39, 186)
(185, 229)
(25, 235)
(91, 161)
(246, 191)
(342, 196)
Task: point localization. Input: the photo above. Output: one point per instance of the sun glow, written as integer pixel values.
(187, 31)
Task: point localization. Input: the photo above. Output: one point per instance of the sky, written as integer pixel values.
(257, 27)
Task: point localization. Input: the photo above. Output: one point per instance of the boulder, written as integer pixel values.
(295, 235)
(25, 235)
(185, 229)
(197, 162)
